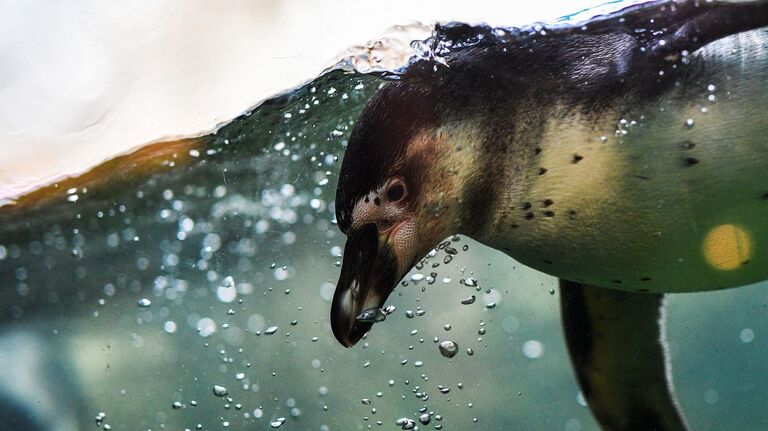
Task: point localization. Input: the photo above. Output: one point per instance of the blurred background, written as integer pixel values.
(190, 289)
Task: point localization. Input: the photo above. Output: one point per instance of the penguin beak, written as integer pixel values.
(369, 273)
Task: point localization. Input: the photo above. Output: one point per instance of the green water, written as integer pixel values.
(256, 204)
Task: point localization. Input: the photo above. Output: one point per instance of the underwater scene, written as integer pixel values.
(188, 286)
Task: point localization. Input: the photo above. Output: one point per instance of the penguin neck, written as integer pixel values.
(494, 162)
(486, 162)
(486, 135)
(446, 156)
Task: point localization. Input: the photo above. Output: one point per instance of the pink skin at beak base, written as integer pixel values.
(402, 238)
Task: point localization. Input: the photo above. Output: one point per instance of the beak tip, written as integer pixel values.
(348, 338)
(342, 335)
(343, 341)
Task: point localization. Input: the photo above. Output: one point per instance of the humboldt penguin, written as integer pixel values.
(627, 156)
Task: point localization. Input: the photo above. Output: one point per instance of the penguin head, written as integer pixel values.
(395, 200)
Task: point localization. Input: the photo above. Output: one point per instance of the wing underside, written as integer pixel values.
(616, 343)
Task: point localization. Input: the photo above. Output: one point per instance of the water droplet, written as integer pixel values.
(371, 315)
(425, 419)
(220, 391)
(689, 123)
(206, 326)
(144, 303)
(406, 423)
(169, 326)
(469, 300)
(533, 349)
(471, 282)
(448, 348)
(226, 291)
(271, 330)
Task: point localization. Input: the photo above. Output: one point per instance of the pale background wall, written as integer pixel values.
(84, 80)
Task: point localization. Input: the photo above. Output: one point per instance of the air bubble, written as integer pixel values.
(371, 315)
(448, 348)
(220, 391)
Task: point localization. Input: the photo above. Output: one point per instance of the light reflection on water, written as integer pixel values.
(196, 292)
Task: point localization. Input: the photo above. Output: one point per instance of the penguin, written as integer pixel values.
(627, 157)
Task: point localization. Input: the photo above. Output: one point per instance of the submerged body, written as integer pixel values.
(659, 193)
(627, 157)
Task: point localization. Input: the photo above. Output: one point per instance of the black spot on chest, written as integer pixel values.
(689, 161)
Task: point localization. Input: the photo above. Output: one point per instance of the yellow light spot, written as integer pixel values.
(727, 247)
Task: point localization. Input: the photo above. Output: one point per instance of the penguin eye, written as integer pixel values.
(396, 191)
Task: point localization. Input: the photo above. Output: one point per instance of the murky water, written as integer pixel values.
(189, 287)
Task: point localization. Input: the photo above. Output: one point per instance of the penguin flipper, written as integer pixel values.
(617, 347)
